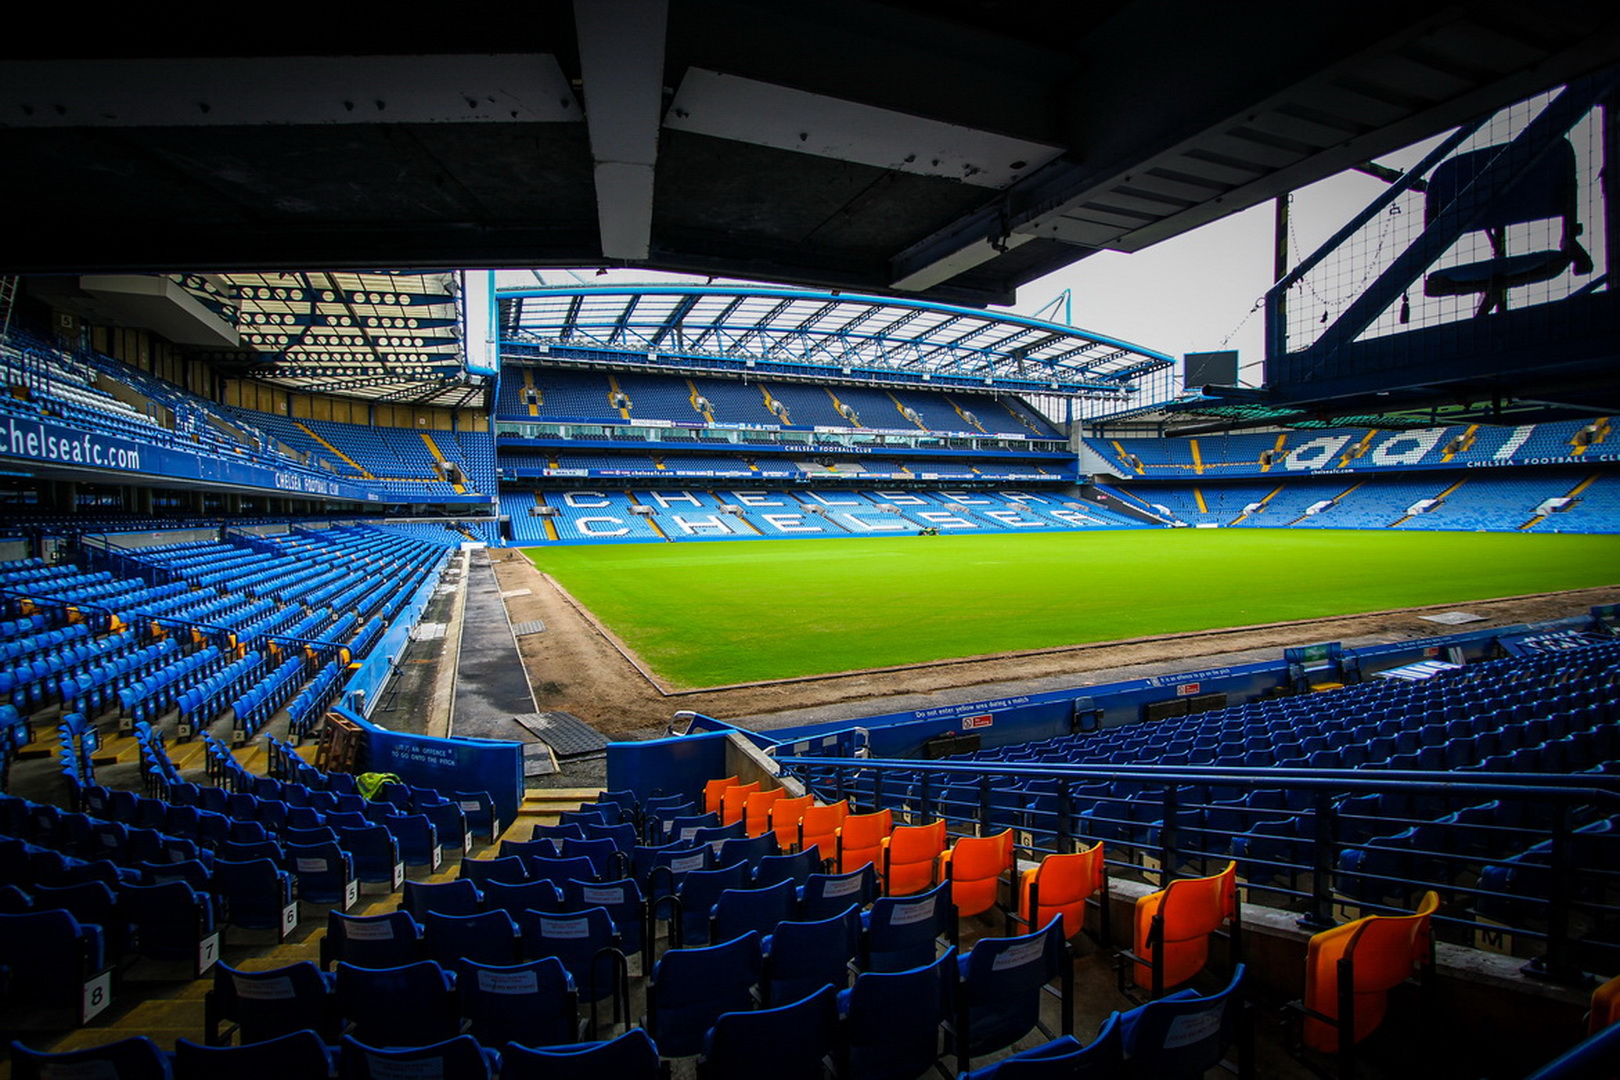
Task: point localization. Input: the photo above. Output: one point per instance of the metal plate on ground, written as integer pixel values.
(428, 631)
(538, 759)
(510, 593)
(1452, 618)
(566, 734)
(533, 626)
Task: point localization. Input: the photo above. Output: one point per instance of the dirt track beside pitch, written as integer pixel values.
(576, 666)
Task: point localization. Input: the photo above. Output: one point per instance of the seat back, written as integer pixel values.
(800, 955)
(1173, 927)
(1064, 1058)
(298, 1053)
(796, 868)
(1060, 886)
(459, 897)
(826, 895)
(584, 941)
(371, 941)
(631, 1056)
(1184, 1034)
(489, 937)
(901, 930)
(405, 1005)
(691, 988)
(860, 839)
(1350, 970)
(974, 866)
(137, 1058)
(910, 858)
(533, 1002)
(819, 825)
(713, 791)
(511, 868)
(740, 910)
(757, 810)
(794, 1038)
(268, 1004)
(456, 1058)
(784, 815)
(892, 1019)
(733, 799)
(999, 999)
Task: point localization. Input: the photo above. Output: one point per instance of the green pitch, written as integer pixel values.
(706, 614)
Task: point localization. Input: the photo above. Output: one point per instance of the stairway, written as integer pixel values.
(307, 430)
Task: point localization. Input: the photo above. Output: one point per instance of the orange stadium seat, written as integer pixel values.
(1061, 885)
(860, 839)
(910, 858)
(785, 815)
(757, 810)
(733, 799)
(975, 867)
(820, 825)
(1350, 970)
(712, 792)
(1173, 927)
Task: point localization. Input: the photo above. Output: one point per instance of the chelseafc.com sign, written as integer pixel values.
(42, 442)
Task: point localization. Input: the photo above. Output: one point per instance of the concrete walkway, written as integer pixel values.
(491, 687)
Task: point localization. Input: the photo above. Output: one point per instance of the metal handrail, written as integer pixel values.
(1178, 837)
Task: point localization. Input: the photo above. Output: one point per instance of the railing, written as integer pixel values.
(1302, 837)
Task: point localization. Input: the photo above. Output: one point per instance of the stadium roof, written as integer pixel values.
(952, 149)
(831, 334)
(383, 335)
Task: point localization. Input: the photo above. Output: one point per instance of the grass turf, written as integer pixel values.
(709, 614)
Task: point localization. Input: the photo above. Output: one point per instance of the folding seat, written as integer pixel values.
(479, 808)
(297, 1054)
(740, 910)
(685, 829)
(819, 827)
(513, 868)
(796, 868)
(1605, 1006)
(623, 835)
(589, 946)
(631, 1056)
(624, 903)
(371, 941)
(62, 962)
(408, 1005)
(268, 1004)
(715, 835)
(784, 817)
(1064, 1058)
(899, 933)
(558, 871)
(749, 850)
(795, 1038)
(1061, 886)
(757, 810)
(1184, 1035)
(583, 816)
(825, 895)
(457, 1058)
(734, 799)
(376, 855)
(544, 844)
(533, 1002)
(418, 840)
(136, 1058)
(860, 839)
(325, 874)
(245, 850)
(489, 937)
(258, 895)
(713, 791)
(975, 867)
(319, 834)
(802, 956)
(1002, 980)
(514, 898)
(695, 895)
(1173, 927)
(892, 1019)
(1351, 969)
(172, 921)
(656, 818)
(607, 861)
(909, 858)
(691, 988)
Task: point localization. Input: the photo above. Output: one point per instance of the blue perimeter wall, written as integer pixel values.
(678, 764)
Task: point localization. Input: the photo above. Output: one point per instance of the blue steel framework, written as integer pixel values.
(805, 334)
